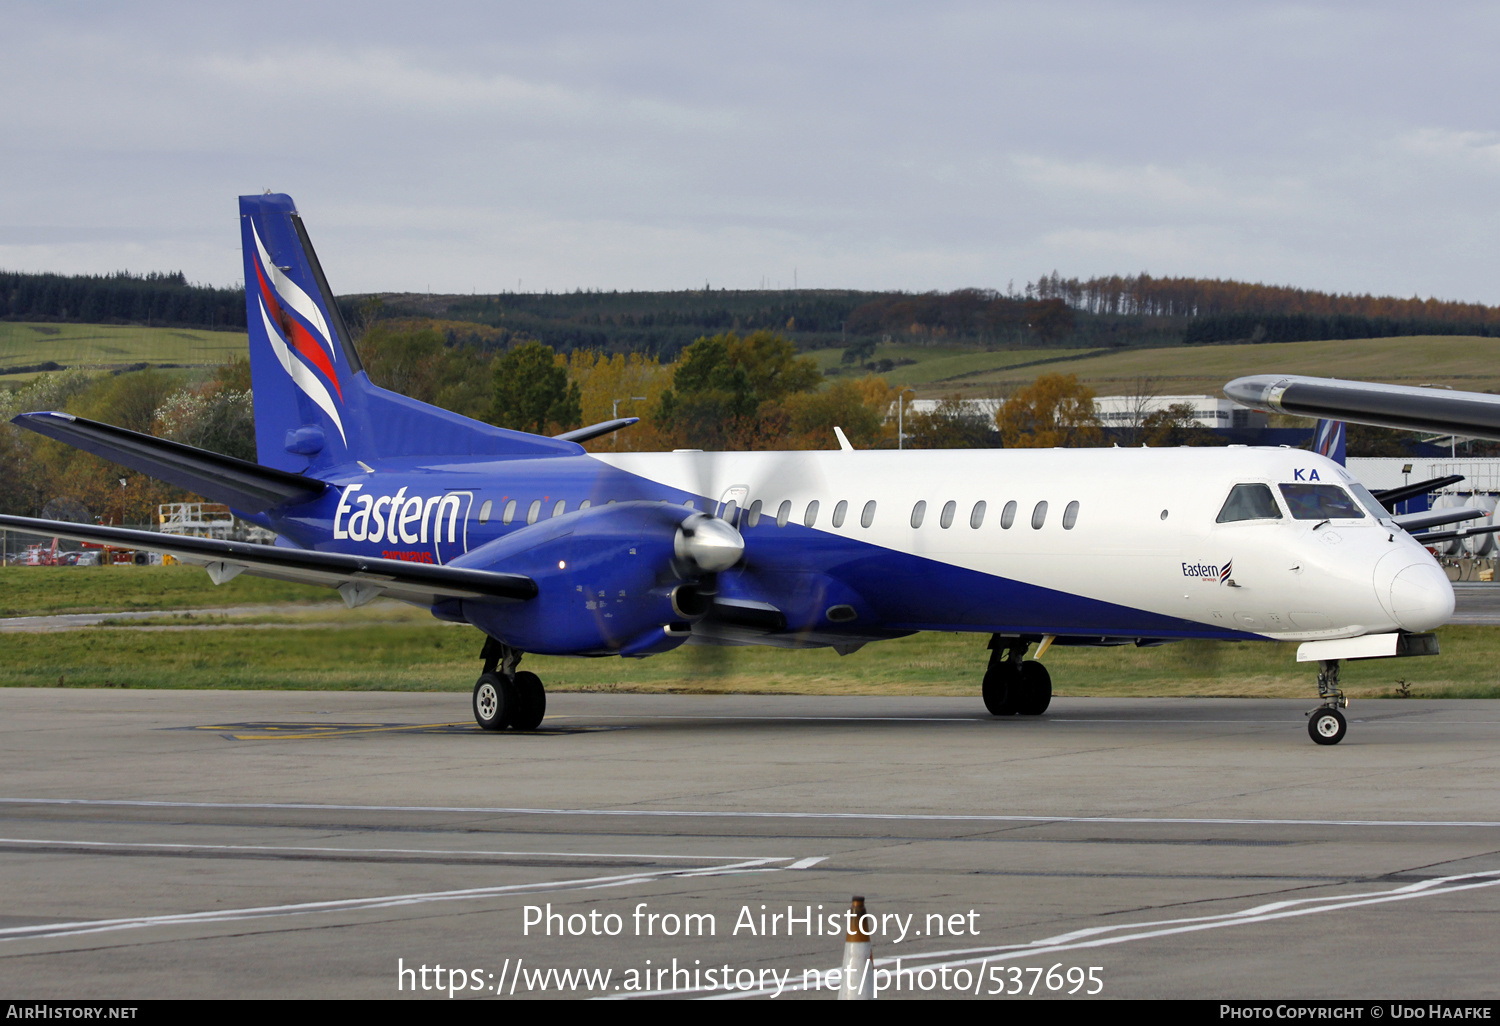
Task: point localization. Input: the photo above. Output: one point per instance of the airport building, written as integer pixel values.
(1122, 411)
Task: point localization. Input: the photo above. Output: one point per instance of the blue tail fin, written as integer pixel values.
(1329, 440)
(314, 404)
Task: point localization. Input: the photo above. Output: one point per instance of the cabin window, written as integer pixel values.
(1320, 502)
(690, 504)
(534, 511)
(946, 520)
(585, 504)
(867, 517)
(811, 516)
(1249, 502)
(753, 513)
(918, 512)
(731, 510)
(1070, 515)
(783, 512)
(838, 513)
(1008, 515)
(977, 517)
(510, 512)
(484, 511)
(560, 508)
(1039, 515)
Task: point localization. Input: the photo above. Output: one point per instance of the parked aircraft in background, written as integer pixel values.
(546, 548)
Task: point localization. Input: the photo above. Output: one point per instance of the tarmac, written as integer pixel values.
(170, 844)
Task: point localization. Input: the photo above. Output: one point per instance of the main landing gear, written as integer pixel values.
(504, 697)
(1011, 686)
(1325, 724)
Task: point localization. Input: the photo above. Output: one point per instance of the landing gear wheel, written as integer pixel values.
(1327, 726)
(495, 701)
(1001, 686)
(1035, 686)
(531, 701)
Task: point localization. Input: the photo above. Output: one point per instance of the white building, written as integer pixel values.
(1208, 411)
(1118, 411)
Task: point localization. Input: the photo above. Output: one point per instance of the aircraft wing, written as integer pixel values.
(1439, 410)
(358, 578)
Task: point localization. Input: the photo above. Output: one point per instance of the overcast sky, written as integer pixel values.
(1349, 147)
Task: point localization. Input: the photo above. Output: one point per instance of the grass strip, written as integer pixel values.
(395, 656)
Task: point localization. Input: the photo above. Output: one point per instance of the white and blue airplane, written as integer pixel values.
(549, 549)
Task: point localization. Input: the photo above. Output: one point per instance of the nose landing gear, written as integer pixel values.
(1325, 724)
(504, 697)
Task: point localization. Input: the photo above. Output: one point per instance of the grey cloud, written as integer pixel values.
(1341, 146)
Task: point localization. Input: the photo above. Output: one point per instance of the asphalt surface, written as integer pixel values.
(1476, 603)
(283, 844)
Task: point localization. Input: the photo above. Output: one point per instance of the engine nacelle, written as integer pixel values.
(624, 578)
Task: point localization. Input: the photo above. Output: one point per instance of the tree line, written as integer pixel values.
(162, 300)
(1142, 295)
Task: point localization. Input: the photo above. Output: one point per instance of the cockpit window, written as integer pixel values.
(1249, 502)
(1320, 502)
(1374, 506)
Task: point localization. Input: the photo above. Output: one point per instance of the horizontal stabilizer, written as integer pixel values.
(362, 576)
(1390, 496)
(1438, 536)
(604, 427)
(246, 486)
(1437, 518)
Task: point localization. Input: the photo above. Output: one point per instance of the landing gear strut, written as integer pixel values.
(504, 697)
(1013, 686)
(1326, 725)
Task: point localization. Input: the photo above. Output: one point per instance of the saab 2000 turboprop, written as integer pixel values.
(550, 549)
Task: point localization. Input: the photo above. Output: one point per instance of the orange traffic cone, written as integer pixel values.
(858, 982)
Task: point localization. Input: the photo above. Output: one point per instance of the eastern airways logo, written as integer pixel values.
(1208, 571)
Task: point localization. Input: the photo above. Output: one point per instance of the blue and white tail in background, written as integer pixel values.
(315, 406)
(1329, 440)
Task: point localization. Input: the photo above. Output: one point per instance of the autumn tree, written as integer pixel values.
(420, 360)
(860, 407)
(532, 391)
(722, 383)
(1054, 410)
(603, 379)
(955, 424)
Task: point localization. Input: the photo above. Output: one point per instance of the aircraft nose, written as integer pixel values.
(1419, 596)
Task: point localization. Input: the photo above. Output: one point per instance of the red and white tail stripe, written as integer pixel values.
(286, 333)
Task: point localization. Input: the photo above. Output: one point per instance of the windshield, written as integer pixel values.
(1249, 502)
(1320, 502)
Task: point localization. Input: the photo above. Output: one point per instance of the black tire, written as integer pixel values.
(1327, 726)
(1000, 689)
(531, 702)
(1035, 687)
(495, 701)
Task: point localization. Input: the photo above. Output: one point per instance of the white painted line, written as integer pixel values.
(933, 817)
(172, 846)
(808, 863)
(1091, 938)
(73, 929)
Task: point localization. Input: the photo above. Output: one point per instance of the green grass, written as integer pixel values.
(111, 345)
(1465, 362)
(430, 656)
(940, 363)
(43, 590)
